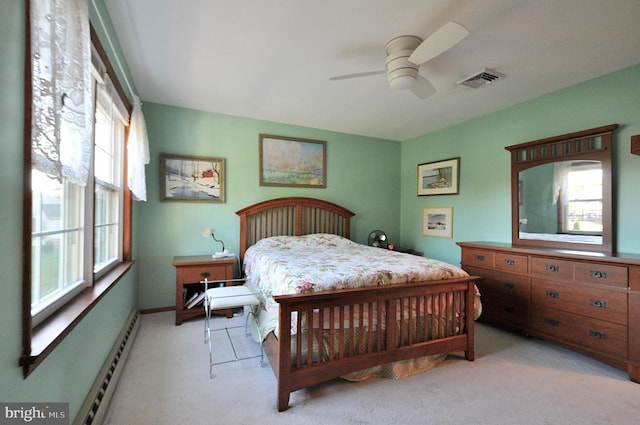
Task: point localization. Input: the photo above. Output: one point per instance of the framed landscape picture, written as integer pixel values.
(439, 178)
(191, 178)
(286, 161)
(437, 222)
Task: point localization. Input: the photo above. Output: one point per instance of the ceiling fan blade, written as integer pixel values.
(422, 88)
(439, 42)
(356, 75)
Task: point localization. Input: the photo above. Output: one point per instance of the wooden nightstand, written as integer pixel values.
(189, 271)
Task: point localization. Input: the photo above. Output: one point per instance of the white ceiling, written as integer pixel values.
(272, 59)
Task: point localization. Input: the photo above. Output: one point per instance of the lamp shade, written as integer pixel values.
(207, 232)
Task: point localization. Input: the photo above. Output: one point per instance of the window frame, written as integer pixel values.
(115, 187)
(41, 340)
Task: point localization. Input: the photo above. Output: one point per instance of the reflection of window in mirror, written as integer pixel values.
(562, 198)
(583, 212)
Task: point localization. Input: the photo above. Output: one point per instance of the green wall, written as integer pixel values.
(482, 210)
(362, 175)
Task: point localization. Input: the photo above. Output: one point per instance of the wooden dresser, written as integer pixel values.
(584, 301)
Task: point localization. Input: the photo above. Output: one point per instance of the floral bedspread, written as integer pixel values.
(283, 265)
(297, 264)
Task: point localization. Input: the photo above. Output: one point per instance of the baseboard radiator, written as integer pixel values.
(95, 405)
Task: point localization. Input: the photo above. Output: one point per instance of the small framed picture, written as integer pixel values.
(292, 162)
(437, 222)
(439, 178)
(191, 178)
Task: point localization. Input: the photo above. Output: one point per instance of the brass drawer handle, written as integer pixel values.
(598, 274)
(552, 294)
(598, 335)
(552, 322)
(480, 257)
(552, 268)
(599, 303)
(510, 262)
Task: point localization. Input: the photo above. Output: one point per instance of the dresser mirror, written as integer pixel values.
(561, 191)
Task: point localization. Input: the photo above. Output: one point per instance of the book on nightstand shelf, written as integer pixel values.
(195, 300)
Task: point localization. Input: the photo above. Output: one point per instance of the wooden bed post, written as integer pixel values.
(469, 318)
(284, 358)
(243, 240)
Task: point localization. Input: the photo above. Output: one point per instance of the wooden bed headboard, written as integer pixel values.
(292, 216)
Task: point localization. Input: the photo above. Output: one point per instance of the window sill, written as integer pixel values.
(49, 334)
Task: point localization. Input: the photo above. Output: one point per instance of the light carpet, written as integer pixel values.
(513, 381)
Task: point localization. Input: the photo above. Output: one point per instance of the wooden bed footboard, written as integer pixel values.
(339, 332)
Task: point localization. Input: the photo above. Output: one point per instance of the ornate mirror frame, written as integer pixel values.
(589, 145)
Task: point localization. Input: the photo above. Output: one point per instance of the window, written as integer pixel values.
(111, 118)
(56, 244)
(65, 254)
(80, 234)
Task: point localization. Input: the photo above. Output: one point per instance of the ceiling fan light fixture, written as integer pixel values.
(402, 82)
(400, 71)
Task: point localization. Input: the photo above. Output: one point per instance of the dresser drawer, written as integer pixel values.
(193, 274)
(551, 268)
(596, 334)
(505, 285)
(505, 297)
(477, 258)
(506, 313)
(601, 274)
(512, 263)
(592, 302)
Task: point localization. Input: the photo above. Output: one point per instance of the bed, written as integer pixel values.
(314, 329)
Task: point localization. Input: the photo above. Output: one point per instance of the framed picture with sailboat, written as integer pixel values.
(191, 178)
(439, 177)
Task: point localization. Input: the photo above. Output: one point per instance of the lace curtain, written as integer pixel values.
(137, 152)
(61, 89)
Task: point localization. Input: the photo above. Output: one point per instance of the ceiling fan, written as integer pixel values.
(406, 53)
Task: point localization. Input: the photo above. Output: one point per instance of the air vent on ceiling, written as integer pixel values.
(481, 79)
